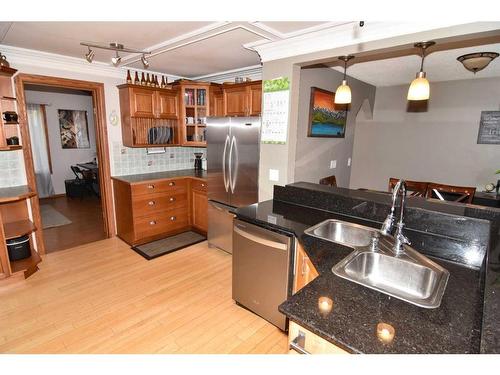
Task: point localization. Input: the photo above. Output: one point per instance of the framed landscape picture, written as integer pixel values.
(324, 119)
(74, 129)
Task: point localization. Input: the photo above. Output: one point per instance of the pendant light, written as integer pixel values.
(343, 92)
(419, 87)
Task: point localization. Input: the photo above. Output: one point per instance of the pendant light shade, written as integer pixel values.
(419, 87)
(343, 92)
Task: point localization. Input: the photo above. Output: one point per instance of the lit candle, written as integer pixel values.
(325, 304)
(385, 332)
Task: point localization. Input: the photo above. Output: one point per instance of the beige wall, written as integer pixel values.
(439, 145)
(313, 155)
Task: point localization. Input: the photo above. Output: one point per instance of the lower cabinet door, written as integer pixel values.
(200, 210)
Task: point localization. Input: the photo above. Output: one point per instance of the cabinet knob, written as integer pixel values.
(173, 218)
(171, 183)
(172, 199)
(152, 222)
(202, 185)
(151, 203)
(151, 186)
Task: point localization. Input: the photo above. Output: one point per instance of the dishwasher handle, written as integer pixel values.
(259, 238)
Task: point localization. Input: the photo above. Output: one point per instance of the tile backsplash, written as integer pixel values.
(12, 169)
(135, 160)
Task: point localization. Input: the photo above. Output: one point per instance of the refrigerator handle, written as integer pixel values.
(233, 174)
(226, 182)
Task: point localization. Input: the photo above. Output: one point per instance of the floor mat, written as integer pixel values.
(52, 218)
(167, 245)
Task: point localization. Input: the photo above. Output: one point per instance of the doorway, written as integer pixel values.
(67, 160)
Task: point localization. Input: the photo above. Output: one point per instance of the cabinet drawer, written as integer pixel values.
(310, 342)
(198, 185)
(159, 202)
(158, 223)
(158, 186)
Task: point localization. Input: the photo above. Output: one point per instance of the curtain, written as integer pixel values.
(39, 149)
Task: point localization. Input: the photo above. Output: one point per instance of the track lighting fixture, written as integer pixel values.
(343, 92)
(116, 60)
(117, 47)
(89, 56)
(419, 87)
(145, 61)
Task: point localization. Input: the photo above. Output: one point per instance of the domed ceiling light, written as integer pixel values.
(477, 61)
(343, 92)
(419, 87)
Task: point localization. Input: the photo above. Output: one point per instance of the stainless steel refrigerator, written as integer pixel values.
(233, 172)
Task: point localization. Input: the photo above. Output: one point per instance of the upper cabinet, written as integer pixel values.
(216, 100)
(194, 110)
(9, 124)
(149, 116)
(242, 99)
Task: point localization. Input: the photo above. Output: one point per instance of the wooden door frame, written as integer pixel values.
(101, 136)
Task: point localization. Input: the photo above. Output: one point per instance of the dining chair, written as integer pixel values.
(463, 194)
(330, 181)
(414, 188)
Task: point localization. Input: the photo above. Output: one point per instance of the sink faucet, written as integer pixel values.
(387, 226)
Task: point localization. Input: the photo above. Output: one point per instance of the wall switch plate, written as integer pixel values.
(274, 175)
(349, 162)
(171, 156)
(333, 164)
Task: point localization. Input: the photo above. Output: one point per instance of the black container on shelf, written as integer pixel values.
(19, 248)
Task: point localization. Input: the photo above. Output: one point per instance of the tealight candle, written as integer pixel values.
(325, 304)
(385, 332)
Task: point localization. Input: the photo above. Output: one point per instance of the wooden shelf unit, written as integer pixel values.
(194, 98)
(144, 108)
(7, 103)
(15, 221)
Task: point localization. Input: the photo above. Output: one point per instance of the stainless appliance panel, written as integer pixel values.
(261, 261)
(243, 162)
(218, 144)
(220, 226)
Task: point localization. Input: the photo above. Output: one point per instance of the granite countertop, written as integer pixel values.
(454, 327)
(144, 177)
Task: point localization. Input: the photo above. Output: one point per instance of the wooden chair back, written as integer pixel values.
(414, 188)
(330, 181)
(463, 194)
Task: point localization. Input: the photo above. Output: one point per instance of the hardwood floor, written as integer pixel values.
(87, 223)
(105, 298)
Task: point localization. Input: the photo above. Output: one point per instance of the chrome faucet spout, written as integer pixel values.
(387, 226)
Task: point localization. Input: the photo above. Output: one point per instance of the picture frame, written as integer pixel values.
(489, 128)
(73, 128)
(325, 120)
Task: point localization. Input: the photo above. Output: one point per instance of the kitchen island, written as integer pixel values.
(454, 236)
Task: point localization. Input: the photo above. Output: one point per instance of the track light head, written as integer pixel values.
(116, 60)
(89, 56)
(145, 61)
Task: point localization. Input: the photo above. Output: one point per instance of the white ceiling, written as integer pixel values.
(188, 49)
(439, 66)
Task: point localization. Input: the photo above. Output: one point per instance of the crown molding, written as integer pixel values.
(23, 56)
(351, 34)
(254, 72)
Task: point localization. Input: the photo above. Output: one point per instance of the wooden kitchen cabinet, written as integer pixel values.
(145, 108)
(243, 99)
(216, 100)
(303, 341)
(199, 205)
(150, 210)
(304, 271)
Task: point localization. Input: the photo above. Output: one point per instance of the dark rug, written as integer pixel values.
(167, 245)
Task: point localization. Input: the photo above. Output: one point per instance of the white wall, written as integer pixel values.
(61, 158)
(313, 155)
(438, 145)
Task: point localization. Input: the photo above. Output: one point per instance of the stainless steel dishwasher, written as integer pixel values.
(261, 263)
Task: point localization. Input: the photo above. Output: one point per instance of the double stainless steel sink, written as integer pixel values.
(406, 275)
